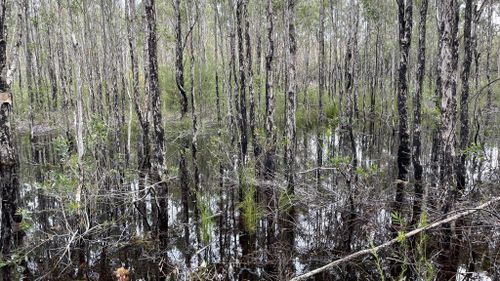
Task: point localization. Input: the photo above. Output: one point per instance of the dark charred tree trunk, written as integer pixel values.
(321, 90)
(416, 142)
(405, 10)
(374, 83)
(179, 64)
(417, 111)
(183, 167)
(158, 161)
(349, 215)
(242, 113)
(464, 97)
(245, 237)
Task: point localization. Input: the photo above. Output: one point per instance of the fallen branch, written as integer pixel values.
(395, 240)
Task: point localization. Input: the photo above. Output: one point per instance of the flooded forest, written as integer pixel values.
(250, 140)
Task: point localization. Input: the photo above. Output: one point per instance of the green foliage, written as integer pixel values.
(206, 216)
(374, 169)
(360, 171)
(331, 111)
(338, 161)
(403, 241)
(286, 201)
(423, 265)
(401, 237)
(475, 149)
(378, 262)
(73, 207)
(250, 209)
(97, 131)
(305, 120)
(62, 147)
(26, 223)
(397, 219)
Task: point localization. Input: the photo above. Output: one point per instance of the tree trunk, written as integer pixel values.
(270, 157)
(194, 117)
(290, 133)
(158, 161)
(321, 89)
(405, 10)
(179, 66)
(416, 142)
(10, 233)
(448, 258)
(417, 105)
(255, 143)
(464, 97)
(143, 149)
(242, 113)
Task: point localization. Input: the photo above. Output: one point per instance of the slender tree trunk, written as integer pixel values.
(417, 111)
(143, 149)
(290, 133)
(464, 97)
(405, 10)
(194, 117)
(183, 169)
(28, 50)
(270, 157)
(448, 59)
(255, 143)
(374, 83)
(242, 113)
(349, 216)
(489, 43)
(416, 142)
(158, 161)
(321, 89)
(83, 215)
(179, 64)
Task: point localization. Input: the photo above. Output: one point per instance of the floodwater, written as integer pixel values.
(337, 211)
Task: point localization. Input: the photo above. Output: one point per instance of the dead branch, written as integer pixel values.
(395, 240)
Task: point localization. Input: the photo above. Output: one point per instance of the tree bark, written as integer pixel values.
(179, 64)
(416, 142)
(255, 143)
(405, 10)
(158, 161)
(417, 111)
(144, 156)
(270, 157)
(242, 113)
(9, 164)
(290, 132)
(321, 89)
(448, 60)
(464, 97)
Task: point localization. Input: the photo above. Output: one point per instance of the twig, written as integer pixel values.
(394, 241)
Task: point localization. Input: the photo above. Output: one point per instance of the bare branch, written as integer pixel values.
(395, 240)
